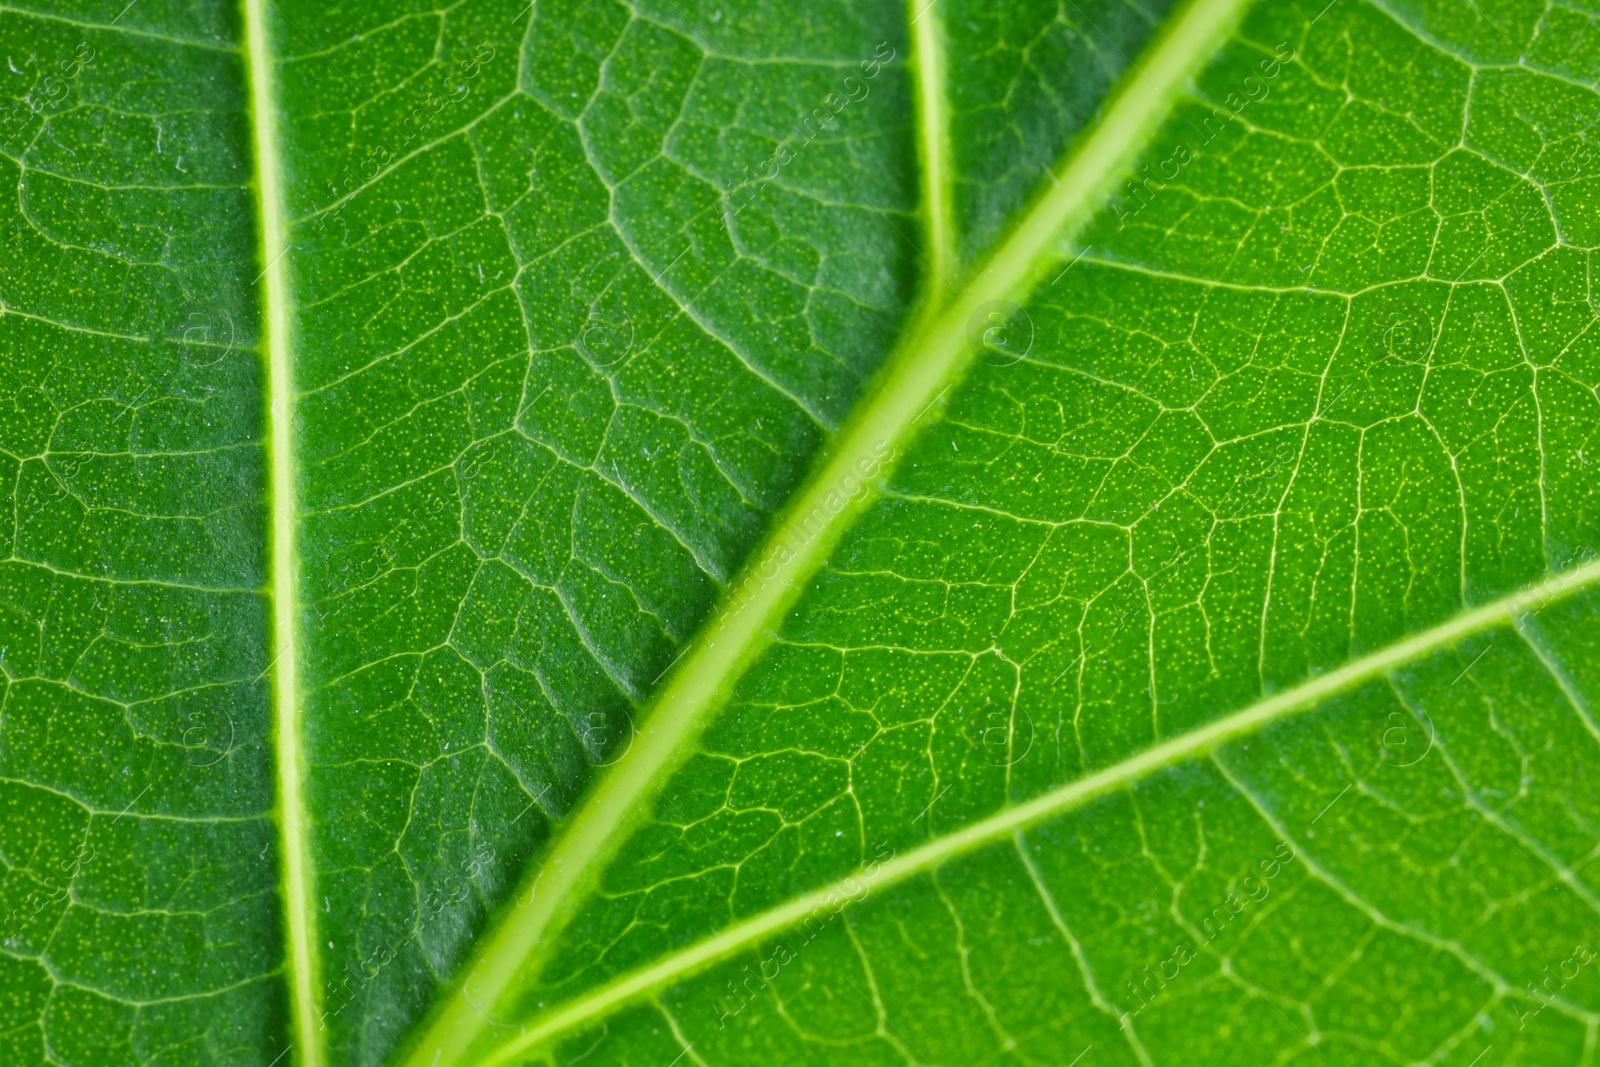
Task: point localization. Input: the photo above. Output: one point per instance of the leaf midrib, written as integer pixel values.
(941, 850)
(296, 877)
(927, 362)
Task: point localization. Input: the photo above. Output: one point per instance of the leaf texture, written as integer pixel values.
(139, 887)
(547, 400)
(1286, 491)
(434, 628)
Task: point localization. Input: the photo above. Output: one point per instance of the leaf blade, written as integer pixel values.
(916, 376)
(1022, 817)
(915, 583)
(136, 725)
(558, 359)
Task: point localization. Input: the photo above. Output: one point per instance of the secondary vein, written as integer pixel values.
(927, 362)
(296, 885)
(1196, 743)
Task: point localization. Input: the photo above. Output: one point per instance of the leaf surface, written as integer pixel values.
(547, 397)
(468, 600)
(1214, 677)
(136, 778)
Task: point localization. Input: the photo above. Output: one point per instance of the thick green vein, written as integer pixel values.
(299, 915)
(933, 141)
(1303, 697)
(927, 362)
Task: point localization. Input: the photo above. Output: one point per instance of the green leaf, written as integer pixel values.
(1213, 676)
(388, 397)
(465, 603)
(546, 400)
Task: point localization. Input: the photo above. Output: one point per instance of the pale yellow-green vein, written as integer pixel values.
(933, 142)
(1308, 695)
(927, 362)
(296, 881)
